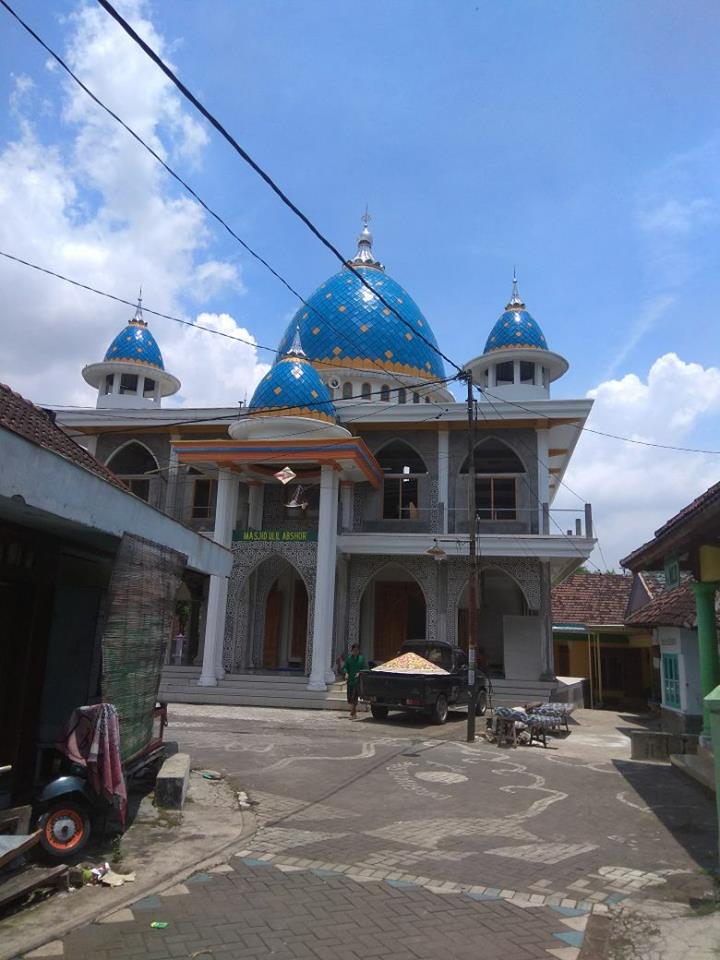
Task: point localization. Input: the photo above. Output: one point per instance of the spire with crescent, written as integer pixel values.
(138, 316)
(364, 256)
(516, 301)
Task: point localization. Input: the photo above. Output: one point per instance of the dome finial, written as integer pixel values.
(296, 348)
(364, 255)
(138, 317)
(516, 301)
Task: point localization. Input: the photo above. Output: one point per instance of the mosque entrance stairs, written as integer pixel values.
(265, 689)
(279, 689)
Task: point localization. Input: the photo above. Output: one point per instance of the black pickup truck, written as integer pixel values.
(431, 693)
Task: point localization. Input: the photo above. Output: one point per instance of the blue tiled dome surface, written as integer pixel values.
(516, 328)
(135, 343)
(295, 384)
(345, 324)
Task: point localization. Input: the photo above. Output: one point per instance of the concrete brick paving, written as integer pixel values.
(386, 840)
(256, 912)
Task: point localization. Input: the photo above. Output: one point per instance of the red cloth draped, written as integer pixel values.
(92, 740)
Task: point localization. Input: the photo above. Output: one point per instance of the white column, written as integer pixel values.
(225, 512)
(321, 674)
(543, 475)
(443, 475)
(255, 505)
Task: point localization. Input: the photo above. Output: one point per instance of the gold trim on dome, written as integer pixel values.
(291, 412)
(518, 346)
(362, 363)
(364, 327)
(142, 363)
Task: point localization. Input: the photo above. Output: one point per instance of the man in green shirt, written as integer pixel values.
(354, 663)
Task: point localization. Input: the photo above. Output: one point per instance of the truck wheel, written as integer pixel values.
(378, 711)
(440, 710)
(65, 829)
(481, 704)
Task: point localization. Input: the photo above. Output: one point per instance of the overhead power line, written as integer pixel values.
(341, 333)
(191, 98)
(601, 433)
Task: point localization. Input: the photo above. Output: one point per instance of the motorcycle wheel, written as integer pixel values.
(65, 829)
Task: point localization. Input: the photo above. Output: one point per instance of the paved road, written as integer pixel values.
(399, 840)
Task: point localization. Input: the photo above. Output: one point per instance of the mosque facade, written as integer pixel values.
(342, 487)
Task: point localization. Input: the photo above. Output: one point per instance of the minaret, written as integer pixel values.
(132, 373)
(516, 364)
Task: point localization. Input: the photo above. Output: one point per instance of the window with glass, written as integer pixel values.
(498, 471)
(128, 383)
(402, 395)
(148, 387)
(671, 680)
(384, 393)
(134, 465)
(416, 397)
(365, 391)
(347, 391)
(204, 498)
(109, 383)
(402, 467)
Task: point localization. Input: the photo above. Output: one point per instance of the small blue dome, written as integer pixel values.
(515, 328)
(294, 386)
(136, 344)
(345, 325)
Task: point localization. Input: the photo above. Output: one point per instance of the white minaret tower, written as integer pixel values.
(516, 363)
(132, 373)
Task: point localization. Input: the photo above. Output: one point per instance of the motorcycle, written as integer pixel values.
(69, 806)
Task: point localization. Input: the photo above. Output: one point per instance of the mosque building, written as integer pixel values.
(342, 490)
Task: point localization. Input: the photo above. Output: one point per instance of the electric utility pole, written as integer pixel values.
(473, 632)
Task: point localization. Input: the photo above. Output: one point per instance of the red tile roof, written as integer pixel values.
(38, 426)
(675, 608)
(596, 599)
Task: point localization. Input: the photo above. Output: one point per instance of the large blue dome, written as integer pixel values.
(515, 328)
(344, 324)
(292, 387)
(136, 344)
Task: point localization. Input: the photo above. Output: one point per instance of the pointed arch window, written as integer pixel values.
(402, 467)
(498, 471)
(134, 465)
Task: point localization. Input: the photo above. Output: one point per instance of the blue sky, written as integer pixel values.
(577, 140)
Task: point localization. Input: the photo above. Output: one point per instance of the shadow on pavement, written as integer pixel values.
(683, 807)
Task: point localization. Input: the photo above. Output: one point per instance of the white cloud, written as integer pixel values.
(95, 206)
(231, 368)
(634, 489)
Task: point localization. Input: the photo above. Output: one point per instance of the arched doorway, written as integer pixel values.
(392, 610)
(500, 597)
(285, 624)
(135, 466)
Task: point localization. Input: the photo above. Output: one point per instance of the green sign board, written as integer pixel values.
(275, 536)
